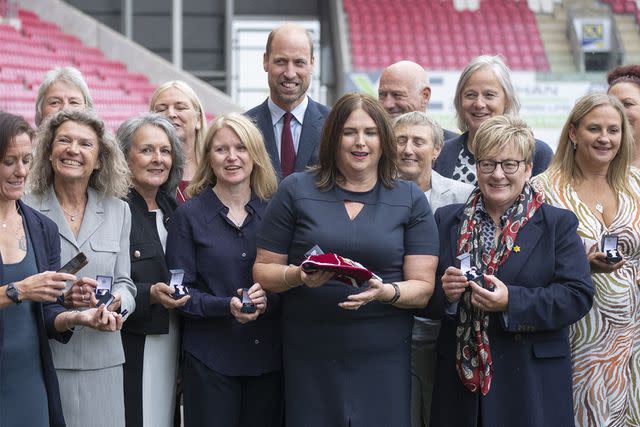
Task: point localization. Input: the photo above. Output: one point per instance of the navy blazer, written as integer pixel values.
(550, 288)
(446, 161)
(46, 245)
(448, 134)
(307, 154)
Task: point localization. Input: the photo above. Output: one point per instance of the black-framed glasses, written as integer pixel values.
(508, 166)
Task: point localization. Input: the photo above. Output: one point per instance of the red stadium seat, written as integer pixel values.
(26, 55)
(433, 31)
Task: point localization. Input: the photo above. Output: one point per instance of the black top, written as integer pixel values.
(217, 258)
(148, 265)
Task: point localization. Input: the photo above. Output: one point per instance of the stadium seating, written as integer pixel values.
(437, 35)
(626, 7)
(26, 55)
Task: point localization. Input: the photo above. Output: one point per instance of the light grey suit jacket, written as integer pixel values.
(104, 239)
(445, 191)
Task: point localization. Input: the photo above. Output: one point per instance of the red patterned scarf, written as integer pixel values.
(473, 355)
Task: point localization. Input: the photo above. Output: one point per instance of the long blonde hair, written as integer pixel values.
(263, 177)
(564, 163)
(196, 104)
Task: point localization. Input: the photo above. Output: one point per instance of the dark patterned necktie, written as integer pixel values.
(287, 152)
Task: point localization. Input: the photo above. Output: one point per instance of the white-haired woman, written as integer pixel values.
(484, 90)
(62, 87)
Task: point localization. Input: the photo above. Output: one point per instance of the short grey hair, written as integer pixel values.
(418, 118)
(112, 178)
(503, 75)
(127, 130)
(70, 75)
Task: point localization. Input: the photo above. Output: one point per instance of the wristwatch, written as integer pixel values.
(13, 293)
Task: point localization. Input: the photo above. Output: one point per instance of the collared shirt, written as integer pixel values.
(277, 119)
(487, 227)
(217, 257)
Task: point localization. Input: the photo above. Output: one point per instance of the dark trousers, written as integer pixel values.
(423, 370)
(212, 399)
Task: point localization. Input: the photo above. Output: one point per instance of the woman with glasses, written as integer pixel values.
(590, 176)
(513, 276)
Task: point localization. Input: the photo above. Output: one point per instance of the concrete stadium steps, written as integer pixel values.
(630, 37)
(552, 29)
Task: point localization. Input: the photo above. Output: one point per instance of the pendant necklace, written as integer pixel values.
(5, 224)
(71, 215)
(599, 207)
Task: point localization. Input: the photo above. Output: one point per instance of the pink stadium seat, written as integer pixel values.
(630, 6)
(449, 39)
(26, 55)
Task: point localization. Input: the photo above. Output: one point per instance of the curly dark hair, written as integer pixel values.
(624, 73)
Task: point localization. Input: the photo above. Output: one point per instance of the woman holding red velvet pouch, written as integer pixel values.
(346, 349)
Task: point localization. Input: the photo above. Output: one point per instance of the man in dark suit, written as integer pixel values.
(290, 121)
(404, 87)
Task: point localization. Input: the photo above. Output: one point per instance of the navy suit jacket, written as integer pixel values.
(307, 154)
(550, 288)
(46, 245)
(448, 134)
(446, 161)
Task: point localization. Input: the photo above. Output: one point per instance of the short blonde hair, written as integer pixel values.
(263, 177)
(500, 132)
(195, 103)
(112, 178)
(563, 161)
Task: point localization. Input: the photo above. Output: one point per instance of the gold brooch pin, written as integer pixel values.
(516, 248)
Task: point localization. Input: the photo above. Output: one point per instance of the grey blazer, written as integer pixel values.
(445, 191)
(307, 154)
(104, 239)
